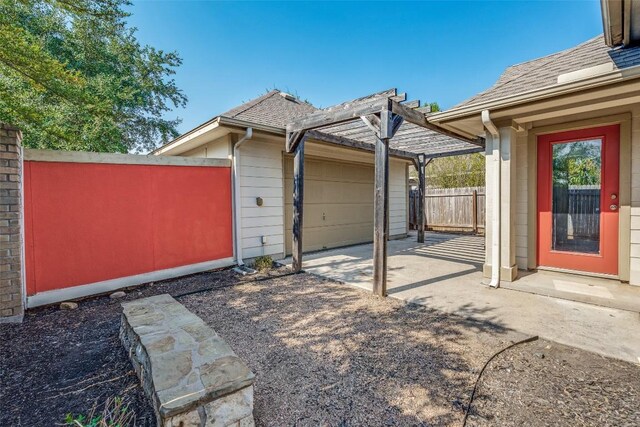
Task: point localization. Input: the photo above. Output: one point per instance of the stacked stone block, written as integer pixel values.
(190, 374)
(11, 307)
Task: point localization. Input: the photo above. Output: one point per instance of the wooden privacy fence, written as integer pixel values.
(451, 209)
(576, 211)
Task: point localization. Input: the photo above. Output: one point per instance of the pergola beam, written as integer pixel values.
(412, 104)
(339, 114)
(456, 153)
(355, 144)
(418, 118)
(401, 97)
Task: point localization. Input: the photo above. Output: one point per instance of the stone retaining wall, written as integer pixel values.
(192, 376)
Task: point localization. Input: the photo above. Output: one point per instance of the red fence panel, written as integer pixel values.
(92, 222)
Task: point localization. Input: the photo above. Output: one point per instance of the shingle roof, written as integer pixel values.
(544, 72)
(271, 109)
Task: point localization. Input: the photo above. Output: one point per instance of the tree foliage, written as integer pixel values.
(577, 163)
(466, 170)
(456, 171)
(74, 77)
(434, 107)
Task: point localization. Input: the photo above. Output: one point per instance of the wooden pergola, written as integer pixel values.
(387, 125)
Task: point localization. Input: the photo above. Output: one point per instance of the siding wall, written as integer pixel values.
(635, 199)
(398, 193)
(217, 149)
(261, 175)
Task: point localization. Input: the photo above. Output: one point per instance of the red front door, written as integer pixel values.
(578, 189)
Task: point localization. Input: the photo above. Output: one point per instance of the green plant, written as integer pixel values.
(263, 263)
(74, 76)
(465, 170)
(114, 414)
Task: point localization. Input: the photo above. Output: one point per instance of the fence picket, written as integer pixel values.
(451, 209)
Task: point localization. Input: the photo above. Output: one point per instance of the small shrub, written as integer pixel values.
(263, 263)
(114, 414)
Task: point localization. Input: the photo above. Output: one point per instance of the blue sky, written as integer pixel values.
(329, 52)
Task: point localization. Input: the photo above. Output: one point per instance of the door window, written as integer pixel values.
(576, 177)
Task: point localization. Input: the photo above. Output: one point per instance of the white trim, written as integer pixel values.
(120, 159)
(195, 132)
(75, 292)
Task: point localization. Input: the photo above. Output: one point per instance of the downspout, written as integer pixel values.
(237, 211)
(495, 220)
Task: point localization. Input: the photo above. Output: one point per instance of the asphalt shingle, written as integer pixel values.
(271, 109)
(544, 72)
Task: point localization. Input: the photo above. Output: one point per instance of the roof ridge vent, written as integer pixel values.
(287, 96)
(585, 73)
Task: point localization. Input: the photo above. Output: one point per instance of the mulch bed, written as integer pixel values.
(323, 354)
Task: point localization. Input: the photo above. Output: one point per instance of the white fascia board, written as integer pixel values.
(177, 146)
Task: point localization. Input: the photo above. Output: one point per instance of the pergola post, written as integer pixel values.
(380, 217)
(389, 124)
(421, 197)
(298, 204)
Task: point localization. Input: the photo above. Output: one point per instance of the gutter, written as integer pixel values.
(228, 121)
(214, 123)
(603, 79)
(237, 211)
(495, 220)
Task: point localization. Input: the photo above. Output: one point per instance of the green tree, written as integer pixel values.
(434, 106)
(74, 77)
(466, 170)
(577, 163)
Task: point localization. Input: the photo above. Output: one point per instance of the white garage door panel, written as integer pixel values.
(338, 205)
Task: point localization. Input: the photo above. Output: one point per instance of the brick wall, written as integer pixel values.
(11, 307)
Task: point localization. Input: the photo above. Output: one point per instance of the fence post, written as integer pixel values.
(474, 209)
(11, 238)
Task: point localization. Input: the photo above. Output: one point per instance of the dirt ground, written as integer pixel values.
(323, 354)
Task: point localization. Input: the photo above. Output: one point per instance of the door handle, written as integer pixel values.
(613, 207)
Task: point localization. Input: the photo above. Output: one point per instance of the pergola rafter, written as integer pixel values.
(383, 124)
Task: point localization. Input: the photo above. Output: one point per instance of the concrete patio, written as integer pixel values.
(445, 274)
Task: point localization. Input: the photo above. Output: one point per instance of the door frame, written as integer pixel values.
(605, 261)
(624, 224)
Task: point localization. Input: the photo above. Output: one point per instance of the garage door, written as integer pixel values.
(338, 204)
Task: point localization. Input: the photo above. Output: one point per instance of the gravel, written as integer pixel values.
(323, 354)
